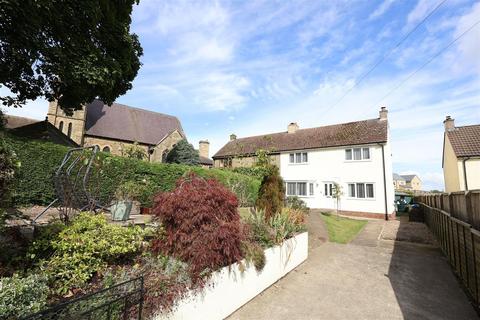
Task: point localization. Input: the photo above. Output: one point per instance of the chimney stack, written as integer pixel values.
(233, 136)
(449, 123)
(383, 113)
(203, 148)
(292, 127)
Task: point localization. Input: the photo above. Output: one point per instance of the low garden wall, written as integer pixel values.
(233, 286)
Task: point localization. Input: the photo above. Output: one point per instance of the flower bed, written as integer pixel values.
(233, 286)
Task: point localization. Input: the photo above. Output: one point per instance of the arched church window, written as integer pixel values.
(69, 131)
(60, 126)
(106, 149)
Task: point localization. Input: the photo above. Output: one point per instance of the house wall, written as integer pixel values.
(450, 168)
(329, 165)
(415, 184)
(245, 161)
(165, 146)
(472, 167)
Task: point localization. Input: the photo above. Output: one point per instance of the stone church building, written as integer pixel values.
(114, 128)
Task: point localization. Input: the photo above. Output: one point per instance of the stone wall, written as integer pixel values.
(116, 147)
(59, 119)
(165, 146)
(243, 161)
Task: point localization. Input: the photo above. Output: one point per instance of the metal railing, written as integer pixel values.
(121, 301)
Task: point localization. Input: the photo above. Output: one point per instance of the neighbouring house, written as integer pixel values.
(399, 182)
(461, 156)
(355, 155)
(412, 182)
(115, 127)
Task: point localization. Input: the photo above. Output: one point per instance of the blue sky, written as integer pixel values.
(251, 67)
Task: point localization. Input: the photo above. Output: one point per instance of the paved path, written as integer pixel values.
(367, 279)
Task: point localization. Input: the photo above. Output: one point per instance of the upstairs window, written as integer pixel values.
(357, 154)
(298, 157)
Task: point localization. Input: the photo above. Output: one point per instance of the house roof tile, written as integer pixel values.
(465, 140)
(345, 134)
(127, 123)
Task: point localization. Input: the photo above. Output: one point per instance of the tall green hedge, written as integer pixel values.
(34, 185)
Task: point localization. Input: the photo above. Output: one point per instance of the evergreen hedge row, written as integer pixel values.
(33, 183)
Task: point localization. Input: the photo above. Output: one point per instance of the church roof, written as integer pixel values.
(126, 123)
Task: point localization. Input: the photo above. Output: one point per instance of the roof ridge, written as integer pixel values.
(138, 108)
(305, 129)
(469, 125)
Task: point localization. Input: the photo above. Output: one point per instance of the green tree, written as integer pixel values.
(184, 153)
(67, 50)
(271, 195)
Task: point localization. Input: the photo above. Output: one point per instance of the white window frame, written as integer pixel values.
(362, 150)
(328, 187)
(356, 184)
(299, 157)
(308, 185)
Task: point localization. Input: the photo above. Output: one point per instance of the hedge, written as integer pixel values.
(33, 183)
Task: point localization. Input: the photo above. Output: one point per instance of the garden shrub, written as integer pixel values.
(259, 230)
(33, 179)
(183, 153)
(256, 172)
(287, 223)
(295, 202)
(271, 195)
(202, 224)
(8, 165)
(45, 235)
(86, 247)
(254, 254)
(20, 297)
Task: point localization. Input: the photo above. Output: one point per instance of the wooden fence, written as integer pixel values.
(454, 219)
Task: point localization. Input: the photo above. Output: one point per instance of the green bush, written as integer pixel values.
(87, 246)
(255, 172)
(8, 165)
(295, 202)
(271, 195)
(20, 297)
(33, 180)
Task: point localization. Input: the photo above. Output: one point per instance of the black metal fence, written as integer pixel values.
(461, 245)
(120, 301)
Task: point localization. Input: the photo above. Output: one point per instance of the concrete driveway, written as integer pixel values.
(369, 278)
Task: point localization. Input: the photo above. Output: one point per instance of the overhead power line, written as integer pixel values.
(428, 61)
(362, 77)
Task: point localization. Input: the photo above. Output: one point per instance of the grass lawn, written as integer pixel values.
(342, 230)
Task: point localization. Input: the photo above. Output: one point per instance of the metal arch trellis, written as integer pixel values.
(71, 181)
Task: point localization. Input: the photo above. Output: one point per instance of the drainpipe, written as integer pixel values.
(384, 183)
(465, 173)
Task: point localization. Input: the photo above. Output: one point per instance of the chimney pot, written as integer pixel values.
(449, 123)
(203, 148)
(383, 114)
(233, 136)
(292, 127)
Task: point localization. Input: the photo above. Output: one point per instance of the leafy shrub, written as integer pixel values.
(183, 153)
(259, 230)
(271, 195)
(33, 180)
(295, 202)
(87, 246)
(287, 223)
(254, 254)
(20, 297)
(202, 224)
(8, 164)
(256, 172)
(41, 247)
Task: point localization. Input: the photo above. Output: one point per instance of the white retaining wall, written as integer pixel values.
(232, 288)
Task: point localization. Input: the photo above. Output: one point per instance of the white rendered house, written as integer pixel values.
(355, 156)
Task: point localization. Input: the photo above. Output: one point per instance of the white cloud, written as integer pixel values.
(469, 45)
(420, 11)
(386, 4)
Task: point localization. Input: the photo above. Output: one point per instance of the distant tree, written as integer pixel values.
(67, 50)
(184, 153)
(3, 121)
